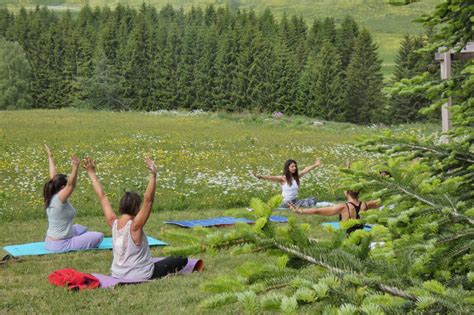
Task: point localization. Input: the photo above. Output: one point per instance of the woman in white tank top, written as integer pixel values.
(132, 259)
(290, 183)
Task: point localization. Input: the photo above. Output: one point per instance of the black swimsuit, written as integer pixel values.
(357, 209)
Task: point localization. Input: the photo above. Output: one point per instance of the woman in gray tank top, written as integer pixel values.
(132, 259)
(62, 235)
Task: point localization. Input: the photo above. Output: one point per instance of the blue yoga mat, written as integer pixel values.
(37, 248)
(221, 221)
(336, 225)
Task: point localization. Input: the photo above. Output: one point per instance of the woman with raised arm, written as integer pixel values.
(62, 235)
(132, 258)
(348, 210)
(290, 183)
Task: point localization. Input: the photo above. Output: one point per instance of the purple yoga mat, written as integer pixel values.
(110, 282)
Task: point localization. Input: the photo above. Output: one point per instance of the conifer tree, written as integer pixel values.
(260, 74)
(306, 89)
(328, 30)
(165, 65)
(409, 63)
(7, 24)
(22, 30)
(206, 73)
(267, 24)
(192, 50)
(245, 60)
(103, 89)
(364, 99)
(15, 76)
(297, 42)
(67, 84)
(42, 41)
(85, 34)
(329, 102)
(284, 80)
(138, 71)
(227, 62)
(345, 39)
(314, 39)
(210, 16)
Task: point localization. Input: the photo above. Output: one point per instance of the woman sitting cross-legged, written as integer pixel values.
(132, 259)
(290, 183)
(62, 234)
(346, 211)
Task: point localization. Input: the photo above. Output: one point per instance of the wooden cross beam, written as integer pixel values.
(445, 58)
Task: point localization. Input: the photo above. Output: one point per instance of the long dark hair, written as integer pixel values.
(288, 175)
(130, 203)
(353, 193)
(52, 187)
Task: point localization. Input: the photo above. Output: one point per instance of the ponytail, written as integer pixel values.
(52, 187)
(47, 192)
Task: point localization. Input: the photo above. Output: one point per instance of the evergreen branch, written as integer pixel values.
(414, 195)
(458, 250)
(456, 237)
(454, 213)
(275, 287)
(438, 152)
(396, 292)
(231, 243)
(459, 158)
(340, 272)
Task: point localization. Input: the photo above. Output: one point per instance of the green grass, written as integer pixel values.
(220, 147)
(25, 288)
(388, 23)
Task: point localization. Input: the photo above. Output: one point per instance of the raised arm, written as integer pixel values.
(66, 192)
(142, 217)
(309, 168)
(89, 165)
(277, 179)
(327, 211)
(52, 168)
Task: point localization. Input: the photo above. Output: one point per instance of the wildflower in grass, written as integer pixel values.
(277, 115)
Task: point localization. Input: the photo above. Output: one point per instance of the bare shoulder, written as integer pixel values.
(339, 206)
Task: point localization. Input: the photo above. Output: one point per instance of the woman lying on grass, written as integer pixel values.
(290, 183)
(346, 211)
(62, 235)
(132, 259)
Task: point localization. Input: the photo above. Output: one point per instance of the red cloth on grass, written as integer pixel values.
(73, 279)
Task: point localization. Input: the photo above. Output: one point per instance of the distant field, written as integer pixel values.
(388, 23)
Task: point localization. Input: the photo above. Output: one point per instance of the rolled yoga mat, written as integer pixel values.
(110, 282)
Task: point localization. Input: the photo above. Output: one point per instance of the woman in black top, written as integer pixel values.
(346, 211)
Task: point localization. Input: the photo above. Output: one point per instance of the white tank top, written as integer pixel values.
(289, 193)
(130, 261)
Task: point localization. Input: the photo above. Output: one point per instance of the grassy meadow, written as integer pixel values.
(204, 160)
(388, 23)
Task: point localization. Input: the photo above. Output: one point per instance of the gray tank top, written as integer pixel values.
(60, 218)
(130, 261)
